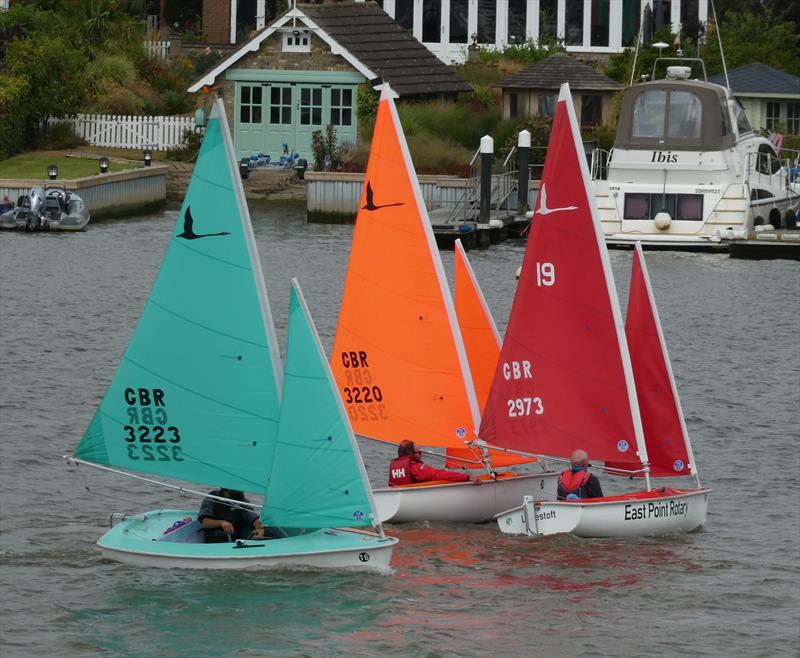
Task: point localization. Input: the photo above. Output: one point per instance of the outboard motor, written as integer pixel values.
(38, 201)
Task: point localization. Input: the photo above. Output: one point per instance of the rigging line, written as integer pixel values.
(206, 327)
(184, 490)
(193, 392)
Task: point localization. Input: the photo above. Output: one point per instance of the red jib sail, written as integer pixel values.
(563, 379)
(482, 342)
(662, 418)
(398, 357)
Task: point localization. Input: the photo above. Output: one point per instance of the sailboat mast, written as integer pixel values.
(667, 363)
(619, 325)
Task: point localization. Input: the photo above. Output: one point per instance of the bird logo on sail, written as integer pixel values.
(370, 205)
(188, 230)
(544, 210)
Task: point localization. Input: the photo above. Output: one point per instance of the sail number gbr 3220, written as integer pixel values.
(522, 406)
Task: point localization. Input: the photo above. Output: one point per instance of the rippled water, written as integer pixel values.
(68, 304)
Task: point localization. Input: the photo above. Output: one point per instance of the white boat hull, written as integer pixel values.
(641, 514)
(461, 502)
(140, 541)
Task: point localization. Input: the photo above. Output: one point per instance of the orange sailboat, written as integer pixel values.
(399, 358)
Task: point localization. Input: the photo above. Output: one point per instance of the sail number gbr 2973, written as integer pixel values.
(522, 406)
(148, 436)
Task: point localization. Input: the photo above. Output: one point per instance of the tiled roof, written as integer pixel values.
(373, 37)
(759, 79)
(552, 72)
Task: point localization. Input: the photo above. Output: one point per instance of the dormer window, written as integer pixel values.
(297, 41)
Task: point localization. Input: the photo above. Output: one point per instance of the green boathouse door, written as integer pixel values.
(274, 108)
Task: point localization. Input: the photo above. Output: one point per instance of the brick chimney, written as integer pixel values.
(217, 21)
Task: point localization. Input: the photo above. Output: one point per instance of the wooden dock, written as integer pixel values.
(780, 243)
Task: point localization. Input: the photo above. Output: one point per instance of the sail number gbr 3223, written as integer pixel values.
(521, 406)
(147, 435)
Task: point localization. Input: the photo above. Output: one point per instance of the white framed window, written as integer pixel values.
(793, 118)
(297, 41)
(773, 115)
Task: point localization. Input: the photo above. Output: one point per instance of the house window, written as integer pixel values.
(591, 110)
(630, 22)
(547, 105)
(599, 31)
(793, 118)
(773, 115)
(250, 104)
(404, 13)
(459, 12)
(487, 19)
(573, 22)
(280, 106)
(516, 20)
(548, 20)
(342, 107)
(311, 106)
(432, 21)
(662, 12)
(296, 41)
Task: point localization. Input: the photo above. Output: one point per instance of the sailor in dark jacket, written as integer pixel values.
(226, 522)
(576, 483)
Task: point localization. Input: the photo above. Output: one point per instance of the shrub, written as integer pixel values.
(366, 103)
(188, 149)
(59, 136)
(13, 90)
(116, 68)
(325, 149)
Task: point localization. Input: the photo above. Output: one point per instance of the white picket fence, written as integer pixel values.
(132, 132)
(159, 49)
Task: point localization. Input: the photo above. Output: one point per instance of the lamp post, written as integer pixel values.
(148, 157)
(103, 164)
(52, 172)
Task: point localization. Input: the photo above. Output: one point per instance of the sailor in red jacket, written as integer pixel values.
(576, 482)
(408, 468)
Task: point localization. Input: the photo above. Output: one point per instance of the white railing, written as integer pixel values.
(132, 132)
(158, 49)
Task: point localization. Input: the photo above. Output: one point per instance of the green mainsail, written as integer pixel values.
(197, 394)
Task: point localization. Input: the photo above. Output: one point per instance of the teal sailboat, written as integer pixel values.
(199, 396)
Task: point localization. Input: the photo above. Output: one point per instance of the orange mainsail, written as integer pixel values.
(482, 342)
(398, 357)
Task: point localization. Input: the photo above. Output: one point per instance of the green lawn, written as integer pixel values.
(34, 165)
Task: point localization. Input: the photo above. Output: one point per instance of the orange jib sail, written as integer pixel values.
(398, 357)
(482, 342)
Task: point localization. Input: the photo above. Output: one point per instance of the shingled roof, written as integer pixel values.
(552, 72)
(372, 36)
(759, 78)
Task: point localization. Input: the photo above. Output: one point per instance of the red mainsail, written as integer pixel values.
(563, 380)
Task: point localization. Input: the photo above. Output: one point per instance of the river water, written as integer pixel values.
(68, 305)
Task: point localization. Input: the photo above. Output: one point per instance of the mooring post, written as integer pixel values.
(487, 150)
(524, 150)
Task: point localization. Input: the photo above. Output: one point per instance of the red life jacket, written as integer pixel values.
(400, 471)
(572, 482)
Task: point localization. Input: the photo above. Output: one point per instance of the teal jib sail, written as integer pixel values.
(196, 396)
(318, 479)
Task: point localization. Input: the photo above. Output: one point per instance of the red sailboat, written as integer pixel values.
(570, 376)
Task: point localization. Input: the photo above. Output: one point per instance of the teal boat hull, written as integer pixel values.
(142, 540)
